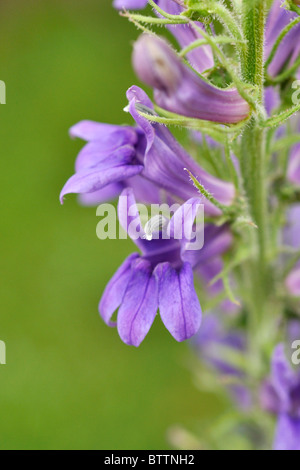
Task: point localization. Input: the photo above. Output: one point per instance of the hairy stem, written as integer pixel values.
(253, 160)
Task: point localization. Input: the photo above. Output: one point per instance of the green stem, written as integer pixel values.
(253, 168)
(254, 26)
(253, 162)
(253, 142)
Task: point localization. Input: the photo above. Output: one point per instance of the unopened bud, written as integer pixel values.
(154, 63)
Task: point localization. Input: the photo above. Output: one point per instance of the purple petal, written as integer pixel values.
(283, 377)
(89, 181)
(115, 290)
(139, 306)
(107, 135)
(269, 399)
(179, 306)
(292, 282)
(218, 240)
(289, 48)
(89, 158)
(272, 99)
(129, 216)
(108, 193)
(182, 223)
(293, 330)
(292, 229)
(287, 433)
(137, 97)
(95, 153)
(130, 4)
(145, 191)
(293, 173)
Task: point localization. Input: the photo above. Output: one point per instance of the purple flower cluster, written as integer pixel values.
(144, 163)
(177, 88)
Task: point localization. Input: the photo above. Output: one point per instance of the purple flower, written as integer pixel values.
(211, 342)
(289, 48)
(157, 279)
(130, 4)
(165, 159)
(280, 394)
(147, 158)
(179, 89)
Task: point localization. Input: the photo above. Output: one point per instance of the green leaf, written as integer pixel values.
(207, 195)
(279, 119)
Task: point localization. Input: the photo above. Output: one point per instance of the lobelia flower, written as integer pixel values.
(179, 89)
(211, 342)
(280, 395)
(291, 238)
(289, 48)
(159, 278)
(167, 265)
(165, 160)
(115, 154)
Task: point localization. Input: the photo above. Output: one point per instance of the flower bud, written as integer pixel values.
(179, 89)
(154, 64)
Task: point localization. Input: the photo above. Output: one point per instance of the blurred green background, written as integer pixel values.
(69, 381)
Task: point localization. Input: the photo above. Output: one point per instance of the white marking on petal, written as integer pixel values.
(156, 224)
